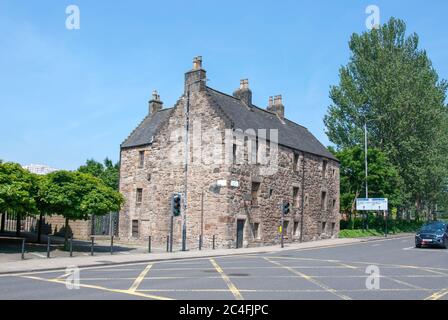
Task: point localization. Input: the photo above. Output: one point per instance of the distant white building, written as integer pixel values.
(40, 169)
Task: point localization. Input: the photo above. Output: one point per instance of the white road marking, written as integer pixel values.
(37, 255)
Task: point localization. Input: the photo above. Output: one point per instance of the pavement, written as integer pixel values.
(339, 269)
(37, 263)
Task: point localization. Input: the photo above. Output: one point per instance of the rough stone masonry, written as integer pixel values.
(243, 163)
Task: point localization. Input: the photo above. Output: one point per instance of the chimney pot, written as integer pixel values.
(195, 80)
(276, 106)
(155, 104)
(244, 93)
(197, 63)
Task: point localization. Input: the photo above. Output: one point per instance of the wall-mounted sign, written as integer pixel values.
(222, 183)
(234, 184)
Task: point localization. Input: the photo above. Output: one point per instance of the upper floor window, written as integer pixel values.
(296, 162)
(324, 167)
(141, 159)
(323, 201)
(139, 196)
(295, 197)
(254, 192)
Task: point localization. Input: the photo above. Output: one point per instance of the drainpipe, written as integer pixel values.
(303, 197)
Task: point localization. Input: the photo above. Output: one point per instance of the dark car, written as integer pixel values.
(432, 234)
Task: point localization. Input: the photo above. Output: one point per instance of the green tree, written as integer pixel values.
(106, 171)
(76, 196)
(17, 191)
(383, 178)
(390, 84)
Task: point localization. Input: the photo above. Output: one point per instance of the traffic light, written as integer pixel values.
(176, 204)
(285, 208)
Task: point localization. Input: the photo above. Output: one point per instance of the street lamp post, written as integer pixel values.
(365, 157)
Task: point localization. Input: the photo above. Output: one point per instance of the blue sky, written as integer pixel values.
(68, 95)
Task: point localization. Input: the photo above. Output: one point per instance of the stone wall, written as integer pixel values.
(217, 212)
(160, 178)
(55, 225)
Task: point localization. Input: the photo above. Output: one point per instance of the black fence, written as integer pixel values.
(105, 225)
(27, 223)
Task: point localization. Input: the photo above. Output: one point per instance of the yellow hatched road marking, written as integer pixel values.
(428, 269)
(133, 293)
(140, 278)
(382, 276)
(236, 293)
(317, 283)
(438, 295)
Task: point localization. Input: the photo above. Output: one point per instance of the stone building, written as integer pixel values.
(243, 163)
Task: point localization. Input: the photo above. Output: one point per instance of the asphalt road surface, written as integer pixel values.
(333, 272)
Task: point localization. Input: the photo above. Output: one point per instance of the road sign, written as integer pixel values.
(373, 204)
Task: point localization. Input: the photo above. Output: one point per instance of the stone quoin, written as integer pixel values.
(243, 163)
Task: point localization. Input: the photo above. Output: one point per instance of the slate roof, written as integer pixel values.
(147, 129)
(243, 117)
(290, 134)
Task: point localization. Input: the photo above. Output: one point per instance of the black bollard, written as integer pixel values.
(111, 244)
(200, 242)
(48, 246)
(149, 244)
(71, 246)
(213, 242)
(92, 245)
(23, 249)
(167, 243)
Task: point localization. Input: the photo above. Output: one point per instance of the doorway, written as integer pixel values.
(239, 233)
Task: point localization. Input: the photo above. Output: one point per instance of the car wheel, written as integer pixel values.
(445, 244)
(418, 246)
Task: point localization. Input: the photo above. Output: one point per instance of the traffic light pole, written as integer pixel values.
(171, 233)
(282, 239)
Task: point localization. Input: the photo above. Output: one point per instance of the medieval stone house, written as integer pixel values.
(243, 163)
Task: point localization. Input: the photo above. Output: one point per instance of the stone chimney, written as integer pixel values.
(195, 79)
(276, 106)
(155, 104)
(244, 93)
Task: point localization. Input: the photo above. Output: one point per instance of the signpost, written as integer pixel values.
(373, 204)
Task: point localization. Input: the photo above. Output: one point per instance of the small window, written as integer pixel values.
(296, 162)
(255, 230)
(135, 228)
(295, 197)
(324, 226)
(323, 201)
(141, 160)
(296, 228)
(255, 190)
(256, 151)
(332, 227)
(271, 191)
(334, 204)
(139, 197)
(234, 154)
(324, 167)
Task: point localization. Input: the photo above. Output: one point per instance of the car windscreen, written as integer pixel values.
(433, 228)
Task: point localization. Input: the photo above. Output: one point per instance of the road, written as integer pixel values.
(332, 272)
